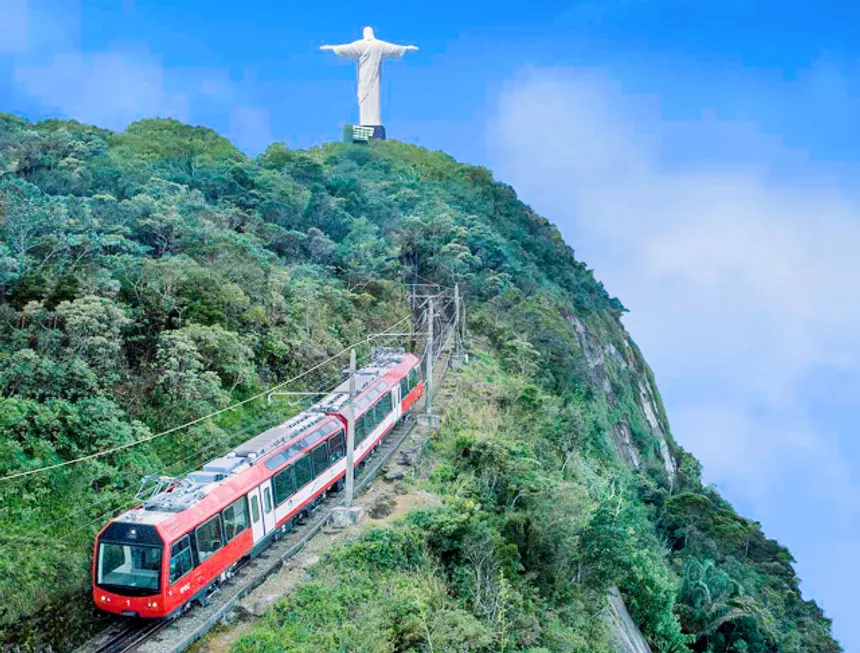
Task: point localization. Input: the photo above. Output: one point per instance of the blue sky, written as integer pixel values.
(701, 157)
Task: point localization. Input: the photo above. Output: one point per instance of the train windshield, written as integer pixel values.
(132, 567)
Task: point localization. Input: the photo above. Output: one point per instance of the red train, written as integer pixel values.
(189, 534)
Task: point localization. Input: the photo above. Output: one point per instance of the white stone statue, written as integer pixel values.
(370, 52)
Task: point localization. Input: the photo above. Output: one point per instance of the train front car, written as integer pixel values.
(128, 569)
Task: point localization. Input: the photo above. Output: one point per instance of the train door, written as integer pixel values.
(257, 526)
(396, 399)
(268, 506)
(398, 394)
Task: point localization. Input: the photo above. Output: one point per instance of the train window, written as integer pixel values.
(413, 377)
(235, 518)
(267, 500)
(404, 387)
(369, 418)
(208, 538)
(313, 437)
(320, 456)
(128, 565)
(304, 473)
(255, 509)
(180, 559)
(360, 429)
(336, 447)
(285, 485)
(276, 461)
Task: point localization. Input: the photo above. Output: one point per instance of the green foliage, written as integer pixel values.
(740, 591)
(389, 550)
(151, 276)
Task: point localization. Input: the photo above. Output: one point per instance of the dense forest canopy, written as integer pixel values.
(153, 276)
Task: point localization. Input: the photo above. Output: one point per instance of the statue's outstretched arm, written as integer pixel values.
(391, 51)
(347, 51)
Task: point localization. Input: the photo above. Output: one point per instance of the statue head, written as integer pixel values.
(368, 33)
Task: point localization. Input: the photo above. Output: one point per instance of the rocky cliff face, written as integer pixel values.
(606, 362)
(623, 636)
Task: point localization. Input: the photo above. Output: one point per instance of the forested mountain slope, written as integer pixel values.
(153, 276)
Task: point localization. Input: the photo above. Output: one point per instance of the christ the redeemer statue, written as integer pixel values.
(370, 52)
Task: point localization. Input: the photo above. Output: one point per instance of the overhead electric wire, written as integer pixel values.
(328, 385)
(228, 437)
(198, 420)
(128, 501)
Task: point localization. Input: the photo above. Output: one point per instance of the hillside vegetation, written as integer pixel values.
(153, 276)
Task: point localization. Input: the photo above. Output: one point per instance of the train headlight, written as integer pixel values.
(152, 604)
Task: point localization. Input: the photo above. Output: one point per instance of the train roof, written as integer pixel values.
(369, 383)
(232, 474)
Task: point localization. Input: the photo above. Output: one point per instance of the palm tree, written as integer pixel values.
(710, 598)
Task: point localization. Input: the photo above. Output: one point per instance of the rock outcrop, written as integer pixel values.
(623, 635)
(649, 409)
(597, 358)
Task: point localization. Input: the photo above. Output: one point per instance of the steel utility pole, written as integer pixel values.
(458, 340)
(428, 363)
(412, 320)
(350, 433)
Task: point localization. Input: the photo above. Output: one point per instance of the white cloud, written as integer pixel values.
(754, 455)
(740, 289)
(114, 88)
(51, 74)
(109, 89)
(763, 277)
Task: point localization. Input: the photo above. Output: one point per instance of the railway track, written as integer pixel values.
(124, 636)
(177, 634)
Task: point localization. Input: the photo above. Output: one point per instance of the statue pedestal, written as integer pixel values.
(363, 133)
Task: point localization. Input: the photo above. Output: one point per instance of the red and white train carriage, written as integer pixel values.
(190, 533)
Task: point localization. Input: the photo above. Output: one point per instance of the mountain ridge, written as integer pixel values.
(150, 275)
